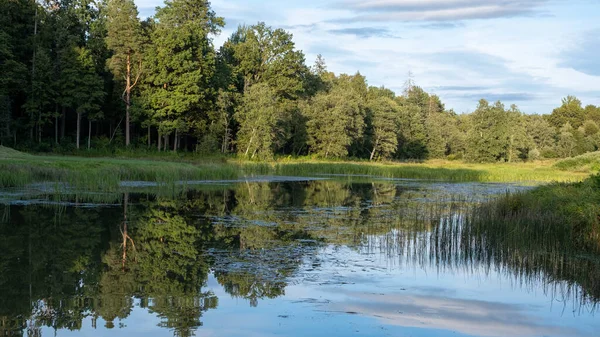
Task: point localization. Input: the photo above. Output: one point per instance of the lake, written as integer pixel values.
(281, 256)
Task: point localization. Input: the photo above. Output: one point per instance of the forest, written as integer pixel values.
(81, 75)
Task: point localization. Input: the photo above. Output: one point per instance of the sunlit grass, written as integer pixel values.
(559, 212)
(431, 170)
(105, 174)
(584, 163)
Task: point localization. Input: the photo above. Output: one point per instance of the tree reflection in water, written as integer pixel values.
(62, 264)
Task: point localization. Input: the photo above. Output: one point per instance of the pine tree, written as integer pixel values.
(124, 39)
(181, 66)
(489, 139)
(87, 90)
(412, 136)
(12, 77)
(39, 98)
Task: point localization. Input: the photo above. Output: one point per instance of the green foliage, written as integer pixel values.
(570, 112)
(385, 113)
(335, 119)
(221, 121)
(258, 115)
(39, 98)
(592, 112)
(567, 144)
(181, 65)
(124, 38)
(86, 86)
(497, 134)
(5, 118)
(421, 135)
(541, 132)
(160, 83)
(264, 54)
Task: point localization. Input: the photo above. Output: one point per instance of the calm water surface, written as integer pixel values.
(279, 258)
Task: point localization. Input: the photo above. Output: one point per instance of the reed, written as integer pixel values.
(101, 174)
(18, 169)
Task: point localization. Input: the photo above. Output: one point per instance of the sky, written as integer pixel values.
(530, 53)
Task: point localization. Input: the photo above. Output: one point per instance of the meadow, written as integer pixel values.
(18, 169)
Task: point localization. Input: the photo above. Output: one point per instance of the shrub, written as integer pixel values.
(534, 154)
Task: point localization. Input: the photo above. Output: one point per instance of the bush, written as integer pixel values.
(549, 154)
(208, 145)
(455, 156)
(534, 154)
(102, 143)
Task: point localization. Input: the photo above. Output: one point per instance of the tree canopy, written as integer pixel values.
(95, 68)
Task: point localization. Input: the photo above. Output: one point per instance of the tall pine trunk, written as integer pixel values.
(89, 133)
(159, 141)
(39, 128)
(175, 139)
(56, 123)
(78, 127)
(149, 139)
(33, 63)
(63, 119)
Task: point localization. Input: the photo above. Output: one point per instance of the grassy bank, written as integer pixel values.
(434, 170)
(104, 174)
(101, 173)
(559, 216)
(583, 163)
(550, 233)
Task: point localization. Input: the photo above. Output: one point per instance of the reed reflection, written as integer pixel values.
(62, 264)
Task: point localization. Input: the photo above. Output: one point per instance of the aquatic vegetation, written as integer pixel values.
(552, 232)
(561, 212)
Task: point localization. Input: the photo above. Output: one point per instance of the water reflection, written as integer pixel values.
(468, 316)
(62, 265)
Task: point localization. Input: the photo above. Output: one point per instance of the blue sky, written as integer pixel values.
(527, 52)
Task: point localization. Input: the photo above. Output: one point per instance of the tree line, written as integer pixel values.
(91, 74)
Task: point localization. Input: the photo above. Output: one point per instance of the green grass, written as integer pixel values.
(102, 174)
(105, 174)
(589, 162)
(551, 233)
(433, 170)
(558, 214)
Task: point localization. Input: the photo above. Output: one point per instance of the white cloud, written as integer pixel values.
(472, 317)
(510, 51)
(415, 10)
